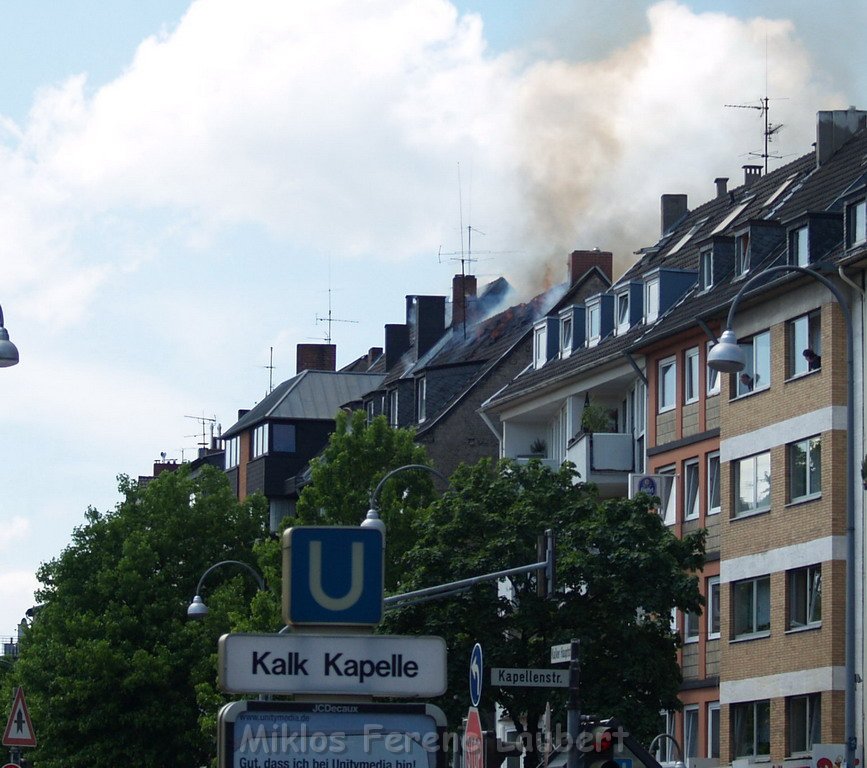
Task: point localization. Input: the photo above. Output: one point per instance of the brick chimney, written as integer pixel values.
(315, 357)
(672, 208)
(373, 354)
(834, 128)
(463, 297)
(752, 173)
(721, 186)
(581, 261)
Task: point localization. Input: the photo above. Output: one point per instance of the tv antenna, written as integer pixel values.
(770, 132)
(204, 421)
(329, 319)
(270, 368)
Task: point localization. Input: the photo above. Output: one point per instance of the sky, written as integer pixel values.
(187, 186)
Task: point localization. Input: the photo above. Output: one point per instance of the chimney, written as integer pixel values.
(752, 173)
(835, 128)
(373, 354)
(672, 209)
(396, 343)
(315, 357)
(721, 186)
(463, 295)
(426, 318)
(242, 412)
(581, 261)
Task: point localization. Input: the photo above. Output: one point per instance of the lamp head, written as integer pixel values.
(8, 351)
(373, 520)
(197, 609)
(726, 356)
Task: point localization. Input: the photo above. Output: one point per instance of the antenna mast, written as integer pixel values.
(329, 319)
(270, 368)
(204, 421)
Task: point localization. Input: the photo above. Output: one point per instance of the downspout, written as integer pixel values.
(631, 359)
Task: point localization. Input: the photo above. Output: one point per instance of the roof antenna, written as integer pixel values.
(270, 368)
(328, 318)
(204, 421)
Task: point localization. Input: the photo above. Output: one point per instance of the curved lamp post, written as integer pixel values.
(197, 609)
(667, 737)
(8, 351)
(727, 357)
(372, 518)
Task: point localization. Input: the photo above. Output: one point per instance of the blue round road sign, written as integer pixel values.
(476, 670)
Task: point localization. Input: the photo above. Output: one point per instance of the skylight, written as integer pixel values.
(737, 211)
(782, 188)
(685, 239)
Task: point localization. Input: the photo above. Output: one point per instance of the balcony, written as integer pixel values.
(551, 464)
(604, 458)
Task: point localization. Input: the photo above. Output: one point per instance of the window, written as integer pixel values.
(713, 730)
(752, 484)
(691, 630)
(664, 751)
(368, 409)
(260, 441)
(705, 269)
(711, 376)
(751, 728)
(804, 715)
(805, 468)
(594, 318)
(651, 300)
(420, 398)
(566, 336)
(233, 452)
(690, 733)
(667, 495)
(757, 373)
(393, 419)
(690, 490)
(804, 344)
(805, 596)
(540, 352)
(712, 600)
(798, 248)
(283, 437)
(623, 312)
(690, 376)
(667, 383)
(713, 505)
(751, 603)
(742, 253)
(856, 223)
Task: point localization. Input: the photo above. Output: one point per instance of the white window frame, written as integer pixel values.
(799, 243)
(804, 604)
(540, 348)
(750, 349)
(803, 332)
(760, 603)
(856, 223)
(810, 446)
(567, 331)
(752, 465)
(651, 299)
(421, 398)
(691, 386)
(742, 253)
(594, 317)
(260, 441)
(691, 627)
(668, 502)
(712, 377)
(713, 722)
(812, 724)
(690, 733)
(713, 477)
(622, 302)
(393, 408)
(712, 600)
(706, 269)
(691, 490)
(666, 401)
(233, 452)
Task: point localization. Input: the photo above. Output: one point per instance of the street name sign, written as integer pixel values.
(19, 730)
(364, 665)
(333, 576)
(561, 653)
(270, 734)
(530, 678)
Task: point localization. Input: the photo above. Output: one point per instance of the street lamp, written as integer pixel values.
(8, 351)
(372, 518)
(727, 357)
(197, 608)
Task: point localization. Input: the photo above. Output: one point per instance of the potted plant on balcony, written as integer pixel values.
(596, 418)
(538, 448)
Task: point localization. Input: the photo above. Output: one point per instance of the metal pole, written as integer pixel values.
(573, 711)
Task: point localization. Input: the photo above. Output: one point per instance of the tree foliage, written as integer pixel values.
(110, 665)
(620, 572)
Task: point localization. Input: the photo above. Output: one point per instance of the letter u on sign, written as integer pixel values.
(332, 576)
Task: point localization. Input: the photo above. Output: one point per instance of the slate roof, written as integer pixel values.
(807, 189)
(311, 395)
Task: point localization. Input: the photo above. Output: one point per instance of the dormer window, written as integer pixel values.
(706, 268)
(622, 312)
(651, 300)
(594, 324)
(742, 253)
(566, 331)
(799, 251)
(421, 399)
(856, 223)
(540, 346)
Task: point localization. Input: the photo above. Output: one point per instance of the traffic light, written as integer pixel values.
(603, 744)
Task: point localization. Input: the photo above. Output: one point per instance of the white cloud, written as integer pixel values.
(14, 530)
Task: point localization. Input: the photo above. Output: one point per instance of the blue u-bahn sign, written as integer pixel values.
(332, 576)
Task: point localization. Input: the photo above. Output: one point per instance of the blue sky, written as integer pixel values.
(181, 184)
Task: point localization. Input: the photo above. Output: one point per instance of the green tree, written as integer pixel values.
(358, 455)
(620, 572)
(110, 663)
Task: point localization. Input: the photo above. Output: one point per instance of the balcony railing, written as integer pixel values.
(604, 458)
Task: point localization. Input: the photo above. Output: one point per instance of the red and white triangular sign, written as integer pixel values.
(19, 730)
